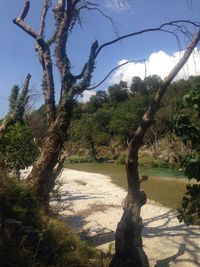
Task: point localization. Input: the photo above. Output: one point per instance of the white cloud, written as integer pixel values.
(86, 95)
(159, 63)
(119, 5)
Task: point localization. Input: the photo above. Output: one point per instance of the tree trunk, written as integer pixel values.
(50, 163)
(128, 240)
(42, 175)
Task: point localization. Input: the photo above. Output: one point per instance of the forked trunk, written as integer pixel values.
(128, 241)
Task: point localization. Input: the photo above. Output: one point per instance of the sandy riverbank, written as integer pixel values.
(92, 204)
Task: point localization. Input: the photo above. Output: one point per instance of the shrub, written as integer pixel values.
(29, 238)
(17, 148)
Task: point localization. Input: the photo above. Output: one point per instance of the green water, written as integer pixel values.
(165, 186)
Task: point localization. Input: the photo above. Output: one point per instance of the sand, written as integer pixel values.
(92, 204)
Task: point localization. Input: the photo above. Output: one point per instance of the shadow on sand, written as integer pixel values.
(165, 262)
(161, 228)
(165, 227)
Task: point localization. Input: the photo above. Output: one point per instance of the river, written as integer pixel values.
(165, 186)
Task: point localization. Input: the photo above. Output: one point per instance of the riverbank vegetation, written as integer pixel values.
(187, 126)
(30, 238)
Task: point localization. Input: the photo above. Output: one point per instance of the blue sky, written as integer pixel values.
(17, 48)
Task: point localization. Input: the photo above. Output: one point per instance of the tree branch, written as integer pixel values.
(147, 120)
(95, 7)
(19, 21)
(25, 11)
(44, 57)
(43, 16)
(161, 27)
(119, 66)
(64, 19)
(88, 69)
(148, 116)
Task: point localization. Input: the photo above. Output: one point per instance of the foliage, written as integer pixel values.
(138, 85)
(38, 123)
(152, 82)
(126, 117)
(97, 101)
(18, 202)
(30, 239)
(109, 120)
(13, 98)
(148, 85)
(190, 210)
(149, 161)
(18, 101)
(17, 147)
(188, 128)
(117, 93)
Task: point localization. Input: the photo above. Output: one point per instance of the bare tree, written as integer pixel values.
(47, 167)
(66, 13)
(129, 247)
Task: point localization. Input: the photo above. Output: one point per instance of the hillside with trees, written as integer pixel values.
(101, 128)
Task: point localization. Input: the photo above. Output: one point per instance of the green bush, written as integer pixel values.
(187, 127)
(79, 159)
(29, 238)
(17, 148)
(18, 202)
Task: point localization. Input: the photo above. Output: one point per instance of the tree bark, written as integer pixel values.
(41, 176)
(128, 240)
(50, 163)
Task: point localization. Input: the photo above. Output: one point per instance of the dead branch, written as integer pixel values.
(88, 69)
(44, 57)
(119, 66)
(162, 27)
(95, 7)
(45, 9)
(25, 10)
(147, 119)
(63, 25)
